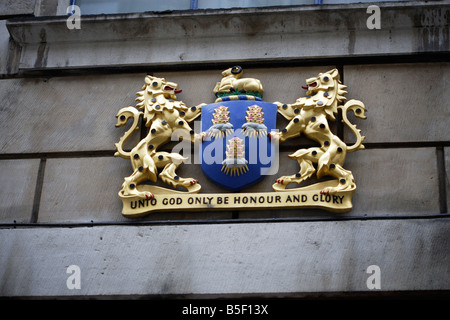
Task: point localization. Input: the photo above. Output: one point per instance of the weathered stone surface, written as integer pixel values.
(197, 86)
(4, 47)
(17, 7)
(64, 114)
(51, 7)
(17, 184)
(395, 181)
(235, 259)
(447, 175)
(82, 189)
(85, 189)
(405, 102)
(249, 34)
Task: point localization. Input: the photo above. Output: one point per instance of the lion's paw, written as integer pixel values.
(148, 195)
(274, 135)
(329, 190)
(200, 137)
(283, 180)
(187, 182)
(140, 194)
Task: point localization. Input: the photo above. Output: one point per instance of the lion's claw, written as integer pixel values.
(274, 135)
(151, 196)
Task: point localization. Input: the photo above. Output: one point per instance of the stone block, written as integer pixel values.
(395, 181)
(17, 7)
(197, 86)
(51, 7)
(447, 175)
(405, 102)
(65, 114)
(82, 189)
(4, 47)
(227, 260)
(18, 185)
(85, 189)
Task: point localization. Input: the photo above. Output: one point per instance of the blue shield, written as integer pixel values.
(237, 152)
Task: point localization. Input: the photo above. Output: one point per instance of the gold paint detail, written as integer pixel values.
(164, 116)
(339, 202)
(232, 82)
(309, 116)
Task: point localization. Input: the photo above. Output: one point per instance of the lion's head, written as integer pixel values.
(157, 95)
(157, 86)
(325, 91)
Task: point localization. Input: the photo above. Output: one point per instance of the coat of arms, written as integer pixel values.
(238, 145)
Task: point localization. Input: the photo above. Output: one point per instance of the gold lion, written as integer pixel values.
(309, 116)
(163, 115)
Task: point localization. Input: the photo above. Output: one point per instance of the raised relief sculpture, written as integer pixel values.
(238, 147)
(162, 114)
(309, 116)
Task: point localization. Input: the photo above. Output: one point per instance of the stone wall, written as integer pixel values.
(59, 180)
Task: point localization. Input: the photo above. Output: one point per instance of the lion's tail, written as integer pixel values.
(122, 118)
(359, 111)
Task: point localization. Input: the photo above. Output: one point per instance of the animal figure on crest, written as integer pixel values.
(163, 115)
(309, 116)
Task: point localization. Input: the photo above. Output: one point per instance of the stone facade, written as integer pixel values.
(60, 90)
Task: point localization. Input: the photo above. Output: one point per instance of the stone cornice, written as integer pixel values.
(271, 33)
